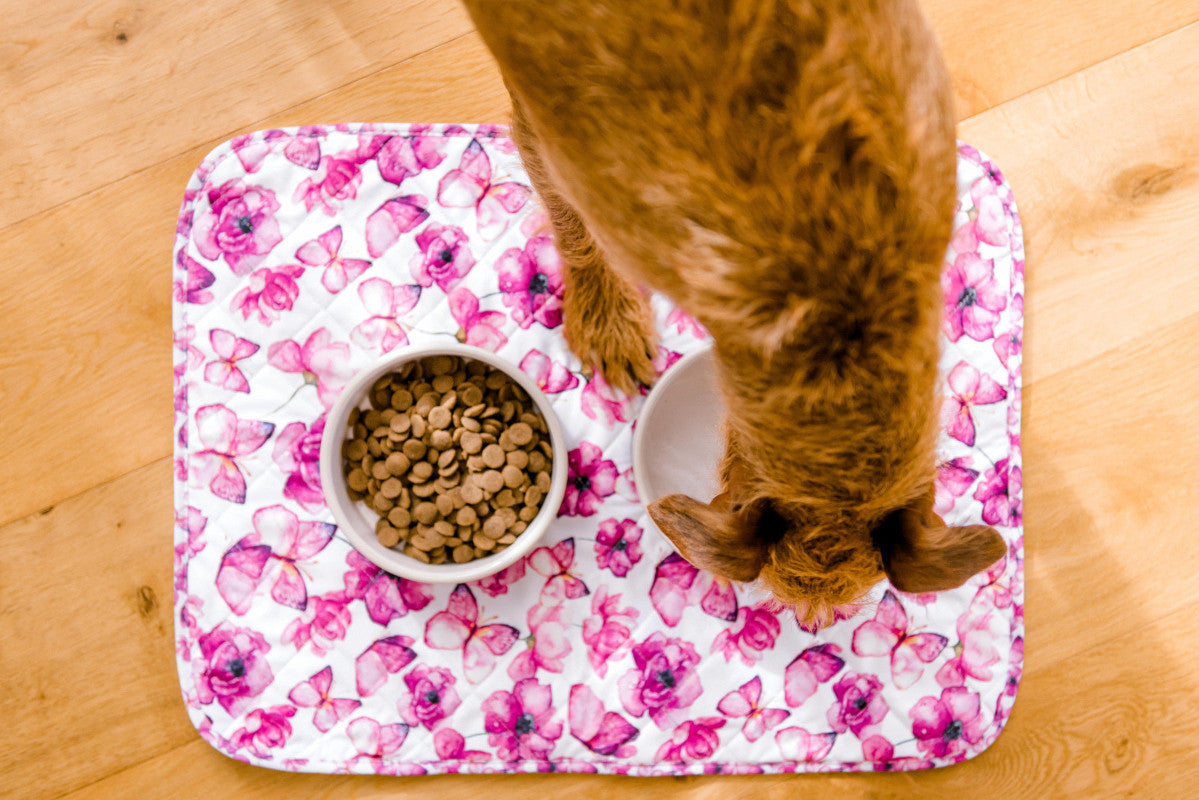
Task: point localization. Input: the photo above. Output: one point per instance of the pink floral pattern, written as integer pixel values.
(304, 254)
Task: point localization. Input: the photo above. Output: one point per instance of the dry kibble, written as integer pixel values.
(452, 455)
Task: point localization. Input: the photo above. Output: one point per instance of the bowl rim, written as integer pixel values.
(672, 375)
(394, 561)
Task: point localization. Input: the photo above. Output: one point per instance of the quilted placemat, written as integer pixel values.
(304, 254)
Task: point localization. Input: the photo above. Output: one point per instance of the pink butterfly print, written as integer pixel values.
(386, 597)
(744, 702)
(384, 657)
(385, 303)
(954, 479)
(471, 185)
(684, 322)
(304, 149)
(554, 564)
(814, 666)
(451, 746)
(547, 643)
(243, 565)
(888, 635)
(251, 150)
(230, 349)
(225, 438)
(314, 693)
(375, 742)
(678, 585)
(403, 157)
(796, 744)
(324, 251)
(969, 388)
(605, 733)
(478, 328)
(458, 627)
(551, 377)
(322, 363)
(394, 218)
(193, 287)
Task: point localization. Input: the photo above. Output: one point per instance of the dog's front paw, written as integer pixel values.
(616, 338)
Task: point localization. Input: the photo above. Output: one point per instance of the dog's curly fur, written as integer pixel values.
(784, 171)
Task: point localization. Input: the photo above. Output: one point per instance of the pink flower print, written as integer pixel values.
(471, 185)
(232, 667)
(754, 632)
(954, 479)
(451, 746)
(385, 303)
(684, 322)
(745, 702)
(970, 388)
(323, 623)
(193, 522)
(678, 585)
(478, 328)
(1009, 346)
(996, 492)
(693, 740)
(229, 349)
(531, 280)
(192, 286)
(591, 479)
(536, 223)
(394, 218)
(304, 148)
(796, 744)
(554, 563)
(974, 654)
(888, 635)
(321, 361)
(289, 541)
(314, 693)
(520, 723)
(384, 657)
(551, 377)
(324, 251)
(297, 452)
(386, 597)
(268, 293)
(814, 666)
(265, 730)
(603, 732)
(881, 753)
(430, 698)
(860, 706)
(458, 628)
(403, 157)
(601, 401)
(990, 219)
(606, 632)
(626, 486)
(225, 438)
(336, 180)
(547, 643)
(663, 679)
(617, 546)
(444, 258)
(251, 150)
(664, 359)
(943, 727)
(498, 583)
(376, 742)
(973, 298)
(239, 225)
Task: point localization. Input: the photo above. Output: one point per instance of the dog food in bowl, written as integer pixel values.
(452, 455)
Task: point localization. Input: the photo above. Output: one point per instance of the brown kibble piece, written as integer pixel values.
(355, 449)
(521, 433)
(400, 423)
(518, 459)
(471, 395)
(357, 480)
(463, 553)
(496, 379)
(373, 419)
(388, 536)
(471, 442)
(391, 488)
(494, 527)
(419, 426)
(446, 458)
(379, 471)
(425, 513)
(507, 538)
(513, 477)
(439, 417)
(527, 513)
(445, 506)
(507, 515)
(401, 400)
(382, 503)
(415, 449)
(493, 456)
(481, 541)
(537, 462)
(520, 527)
(472, 493)
(442, 440)
(467, 517)
(491, 481)
(533, 496)
(421, 472)
(543, 481)
(504, 498)
(397, 463)
(419, 555)
(399, 517)
(424, 490)
(444, 528)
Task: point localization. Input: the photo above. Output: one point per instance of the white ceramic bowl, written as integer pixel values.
(679, 440)
(357, 521)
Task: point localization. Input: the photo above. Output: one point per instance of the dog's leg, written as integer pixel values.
(608, 321)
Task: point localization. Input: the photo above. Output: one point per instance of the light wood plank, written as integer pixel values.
(100, 333)
(1105, 170)
(105, 89)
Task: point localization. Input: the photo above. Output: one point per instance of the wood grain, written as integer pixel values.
(112, 339)
(1089, 107)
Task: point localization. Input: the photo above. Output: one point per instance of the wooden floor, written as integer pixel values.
(1091, 107)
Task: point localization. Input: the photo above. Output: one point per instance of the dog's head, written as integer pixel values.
(817, 567)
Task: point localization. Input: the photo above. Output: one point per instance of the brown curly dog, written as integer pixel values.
(784, 171)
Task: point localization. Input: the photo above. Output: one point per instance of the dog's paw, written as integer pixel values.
(618, 341)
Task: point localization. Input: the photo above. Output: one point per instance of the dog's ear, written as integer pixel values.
(922, 554)
(729, 542)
